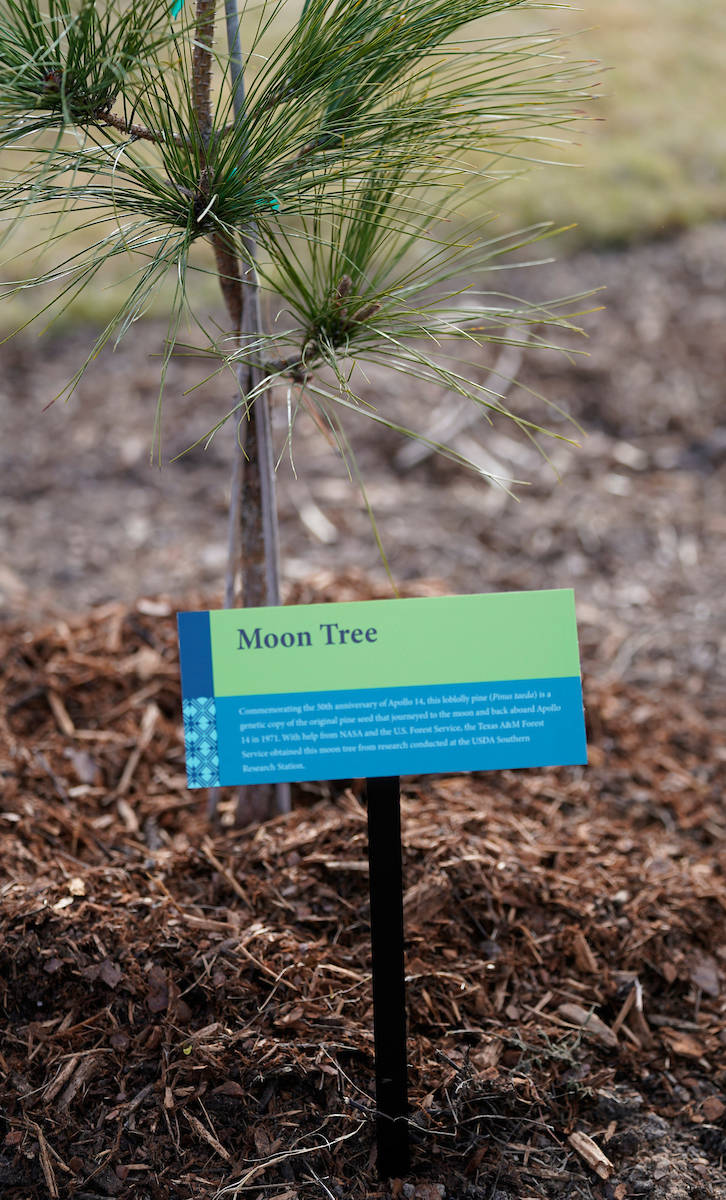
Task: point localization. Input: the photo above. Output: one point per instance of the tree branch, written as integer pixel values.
(129, 127)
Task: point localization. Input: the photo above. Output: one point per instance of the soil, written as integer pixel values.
(635, 522)
(187, 1009)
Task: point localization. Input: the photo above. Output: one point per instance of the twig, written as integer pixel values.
(323, 1185)
(227, 874)
(234, 1189)
(128, 1109)
(211, 1140)
(135, 131)
(47, 1166)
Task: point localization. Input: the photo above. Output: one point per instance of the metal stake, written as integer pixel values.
(389, 986)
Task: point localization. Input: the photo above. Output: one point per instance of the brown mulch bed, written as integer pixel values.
(187, 1011)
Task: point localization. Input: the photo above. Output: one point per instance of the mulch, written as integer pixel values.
(187, 1009)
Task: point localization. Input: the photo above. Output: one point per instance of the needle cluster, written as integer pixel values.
(365, 124)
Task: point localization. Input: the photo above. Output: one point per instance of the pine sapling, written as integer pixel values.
(328, 169)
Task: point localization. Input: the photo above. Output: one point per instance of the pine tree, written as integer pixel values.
(318, 165)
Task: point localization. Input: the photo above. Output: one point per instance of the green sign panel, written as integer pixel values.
(381, 687)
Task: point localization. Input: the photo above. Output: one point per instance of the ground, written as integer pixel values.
(188, 1009)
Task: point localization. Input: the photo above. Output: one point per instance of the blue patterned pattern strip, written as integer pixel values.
(200, 737)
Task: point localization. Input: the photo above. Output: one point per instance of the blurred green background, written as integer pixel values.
(655, 160)
(649, 160)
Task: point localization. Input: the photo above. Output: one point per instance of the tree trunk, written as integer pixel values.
(253, 543)
(253, 572)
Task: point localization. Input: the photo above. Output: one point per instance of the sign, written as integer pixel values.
(381, 688)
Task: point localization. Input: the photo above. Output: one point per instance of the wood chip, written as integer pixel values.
(706, 976)
(508, 907)
(207, 1136)
(589, 1022)
(713, 1108)
(148, 724)
(584, 956)
(683, 1044)
(60, 712)
(85, 1071)
(128, 816)
(47, 1166)
(592, 1154)
(61, 1079)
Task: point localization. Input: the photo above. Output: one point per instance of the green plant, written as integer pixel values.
(319, 164)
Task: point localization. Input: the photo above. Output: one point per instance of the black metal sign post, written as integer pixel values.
(389, 984)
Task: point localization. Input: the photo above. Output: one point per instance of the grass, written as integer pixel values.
(653, 160)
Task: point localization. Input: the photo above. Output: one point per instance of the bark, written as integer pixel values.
(254, 544)
(202, 67)
(228, 273)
